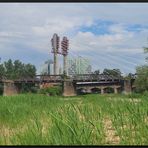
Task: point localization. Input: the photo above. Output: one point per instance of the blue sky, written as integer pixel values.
(111, 35)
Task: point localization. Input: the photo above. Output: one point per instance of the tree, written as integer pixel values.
(2, 71)
(17, 69)
(29, 70)
(129, 76)
(97, 72)
(112, 72)
(9, 69)
(141, 81)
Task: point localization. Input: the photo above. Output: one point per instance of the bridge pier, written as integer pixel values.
(127, 87)
(102, 90)
(68, 88)
(10, 88)
(115, 90)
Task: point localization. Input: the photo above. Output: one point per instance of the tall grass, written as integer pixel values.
(42, 120)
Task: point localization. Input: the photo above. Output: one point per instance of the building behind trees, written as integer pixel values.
(47, 67)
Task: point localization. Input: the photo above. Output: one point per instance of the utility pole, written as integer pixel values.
(55, 50)
(65, 45)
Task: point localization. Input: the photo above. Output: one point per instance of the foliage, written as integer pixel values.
(1, 88)
(112, 72)
(15, 70)
(141, 81)
(2, 71)
(109, 90)
(53, 91)
(34, 119)
(28, 87)
(97, 72)
(129, 76)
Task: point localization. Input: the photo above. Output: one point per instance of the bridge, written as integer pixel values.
(85, 83)
(71, 85)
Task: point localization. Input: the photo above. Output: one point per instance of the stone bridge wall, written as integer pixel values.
(10, 88)
(69, 87)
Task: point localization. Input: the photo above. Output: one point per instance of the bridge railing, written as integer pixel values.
(40, 78)
(78, 77)
(94, 77)
(49, 77)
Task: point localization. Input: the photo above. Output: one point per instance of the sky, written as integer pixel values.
(110, 35)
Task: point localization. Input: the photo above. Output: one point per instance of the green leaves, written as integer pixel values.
(15, 70)
(53, 91)
(33, 119)
(112, 72)
(141, 81)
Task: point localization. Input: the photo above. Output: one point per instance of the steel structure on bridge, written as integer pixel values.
(102, 78)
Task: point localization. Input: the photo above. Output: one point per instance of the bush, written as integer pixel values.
(1, 89)
(134, 95)
(145, 93)
(141, 81)
(25, 88)
(34, 89)
(53, 91)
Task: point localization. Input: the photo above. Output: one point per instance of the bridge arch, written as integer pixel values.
(108, 89)
(81, 91)
(96, 90)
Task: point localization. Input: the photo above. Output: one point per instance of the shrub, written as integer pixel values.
(145, 93)
(34, 89)
(53, 91)
(1, 89)
(141, 81)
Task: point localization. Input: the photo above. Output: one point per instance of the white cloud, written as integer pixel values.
(32, 26)
(107, 42)
(11, 34)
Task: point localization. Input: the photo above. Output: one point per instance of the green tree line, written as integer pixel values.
(16, 69)
(111, 72)
(142, 75)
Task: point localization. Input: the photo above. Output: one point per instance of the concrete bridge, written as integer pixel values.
(84, 83)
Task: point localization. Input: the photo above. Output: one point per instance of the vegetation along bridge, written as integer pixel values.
(82, 83)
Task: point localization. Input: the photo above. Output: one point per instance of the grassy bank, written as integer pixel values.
(82, 120)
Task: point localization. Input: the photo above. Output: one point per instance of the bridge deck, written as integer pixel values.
(76, 78)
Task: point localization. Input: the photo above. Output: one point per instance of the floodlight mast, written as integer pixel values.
(65, 46)
(55, 50)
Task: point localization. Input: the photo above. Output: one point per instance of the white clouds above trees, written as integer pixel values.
(32, 25)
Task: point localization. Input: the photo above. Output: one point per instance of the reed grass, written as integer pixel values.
(31, 119)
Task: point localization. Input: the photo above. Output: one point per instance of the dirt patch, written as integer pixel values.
(46, 124)
(110, 133)
(7, 132)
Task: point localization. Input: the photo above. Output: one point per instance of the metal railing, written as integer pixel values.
(78, 77)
